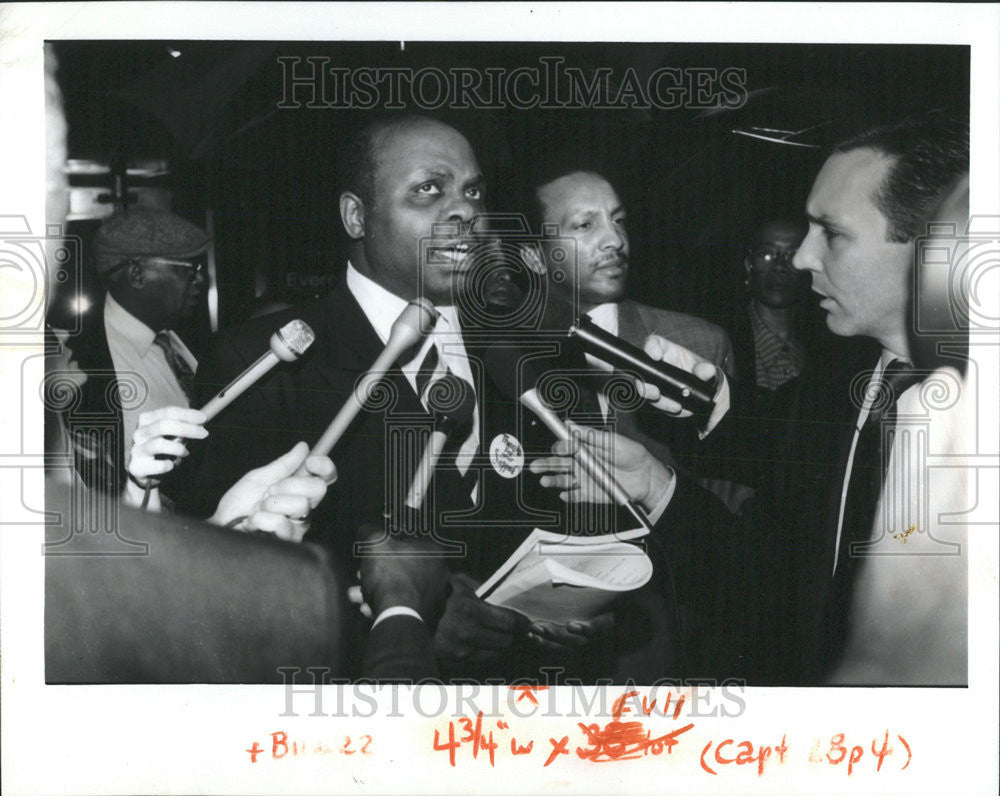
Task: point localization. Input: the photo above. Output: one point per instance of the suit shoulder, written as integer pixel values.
(256, 332)
(660, 318)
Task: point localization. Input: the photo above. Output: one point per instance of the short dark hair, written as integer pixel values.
(359, 160)
(929, 153)
(559, 166)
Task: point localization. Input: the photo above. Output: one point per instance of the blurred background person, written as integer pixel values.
(770, 349)
(148, 261)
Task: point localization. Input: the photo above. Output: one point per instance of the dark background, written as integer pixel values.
(693, 189)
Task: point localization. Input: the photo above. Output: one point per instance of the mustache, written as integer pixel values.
(617, 259)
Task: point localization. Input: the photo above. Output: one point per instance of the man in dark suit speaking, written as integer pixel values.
(410, 192)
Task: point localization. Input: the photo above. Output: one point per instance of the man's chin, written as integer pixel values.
(838, 325)
(610, 292)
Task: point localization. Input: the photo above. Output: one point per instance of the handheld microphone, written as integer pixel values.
(452, 404)
(287, 344)
(693, 394)
(413, 324)
(503, 363)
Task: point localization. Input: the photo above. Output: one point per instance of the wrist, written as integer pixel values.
(660, 482)
(396, 598)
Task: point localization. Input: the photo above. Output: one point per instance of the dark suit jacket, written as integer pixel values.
(399, 649)
(94, 421)
(296, 401)
(672, 441)
(202, 604)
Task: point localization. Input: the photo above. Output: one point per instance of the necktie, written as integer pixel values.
(871, 460)
(428, 372)
(182, 371)
(460, 452)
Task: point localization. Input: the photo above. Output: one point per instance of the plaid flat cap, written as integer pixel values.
(142, 232)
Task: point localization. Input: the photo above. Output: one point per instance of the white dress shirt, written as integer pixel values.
(382, 308)
(905, 407)
(141, 367)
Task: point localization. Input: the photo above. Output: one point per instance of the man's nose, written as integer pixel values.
(806, 258)
(463, 209)
(612, 237)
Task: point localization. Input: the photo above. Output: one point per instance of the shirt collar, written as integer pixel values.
(606, 317)
(126, 327)
(382, 307)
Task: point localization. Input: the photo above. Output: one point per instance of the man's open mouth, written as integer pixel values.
(449, 254)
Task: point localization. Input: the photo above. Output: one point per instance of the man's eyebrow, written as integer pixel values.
(476, 179)
(822, 220)
(618, 211)
(430, 174)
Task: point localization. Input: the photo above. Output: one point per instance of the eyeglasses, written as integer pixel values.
(194, 267)
(765, 257)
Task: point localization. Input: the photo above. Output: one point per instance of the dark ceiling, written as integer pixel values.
(693, 187)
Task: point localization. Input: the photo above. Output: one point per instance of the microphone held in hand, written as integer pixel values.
(413, 324)
(452, 403)
(693, 394)
(287, 344)
(516, 374)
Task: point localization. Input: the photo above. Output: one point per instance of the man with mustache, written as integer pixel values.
(148, 261)
(582, 207)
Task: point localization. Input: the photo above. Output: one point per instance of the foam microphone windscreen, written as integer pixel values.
(452, 403)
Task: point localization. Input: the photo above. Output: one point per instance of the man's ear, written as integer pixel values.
(531, 254)
(136, 275)
(352, 215)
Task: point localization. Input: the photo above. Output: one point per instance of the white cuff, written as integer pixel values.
(665, 498)
(396, 610)
(722, 402)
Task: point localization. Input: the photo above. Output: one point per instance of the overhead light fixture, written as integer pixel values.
(174, 53)
(778, 136)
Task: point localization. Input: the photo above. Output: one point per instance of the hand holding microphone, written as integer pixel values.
(156, 445)
(643, 477)
(518, 376)
(677, 380)
(277, 497)
(413, 324)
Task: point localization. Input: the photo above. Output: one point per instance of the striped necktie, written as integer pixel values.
(181, 370)
(431, 370)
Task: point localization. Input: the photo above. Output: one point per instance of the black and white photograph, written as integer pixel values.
(419, 408)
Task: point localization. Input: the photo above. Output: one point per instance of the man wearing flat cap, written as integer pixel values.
(149, 263)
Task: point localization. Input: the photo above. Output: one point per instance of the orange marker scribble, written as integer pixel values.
(625, 741)
(526, 691)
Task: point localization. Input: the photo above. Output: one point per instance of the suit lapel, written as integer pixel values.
(348, 338)
(630, 324)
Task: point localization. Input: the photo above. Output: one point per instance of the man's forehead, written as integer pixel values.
(576, 192)
(847, 183)
(424, 145)
(786, 232)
